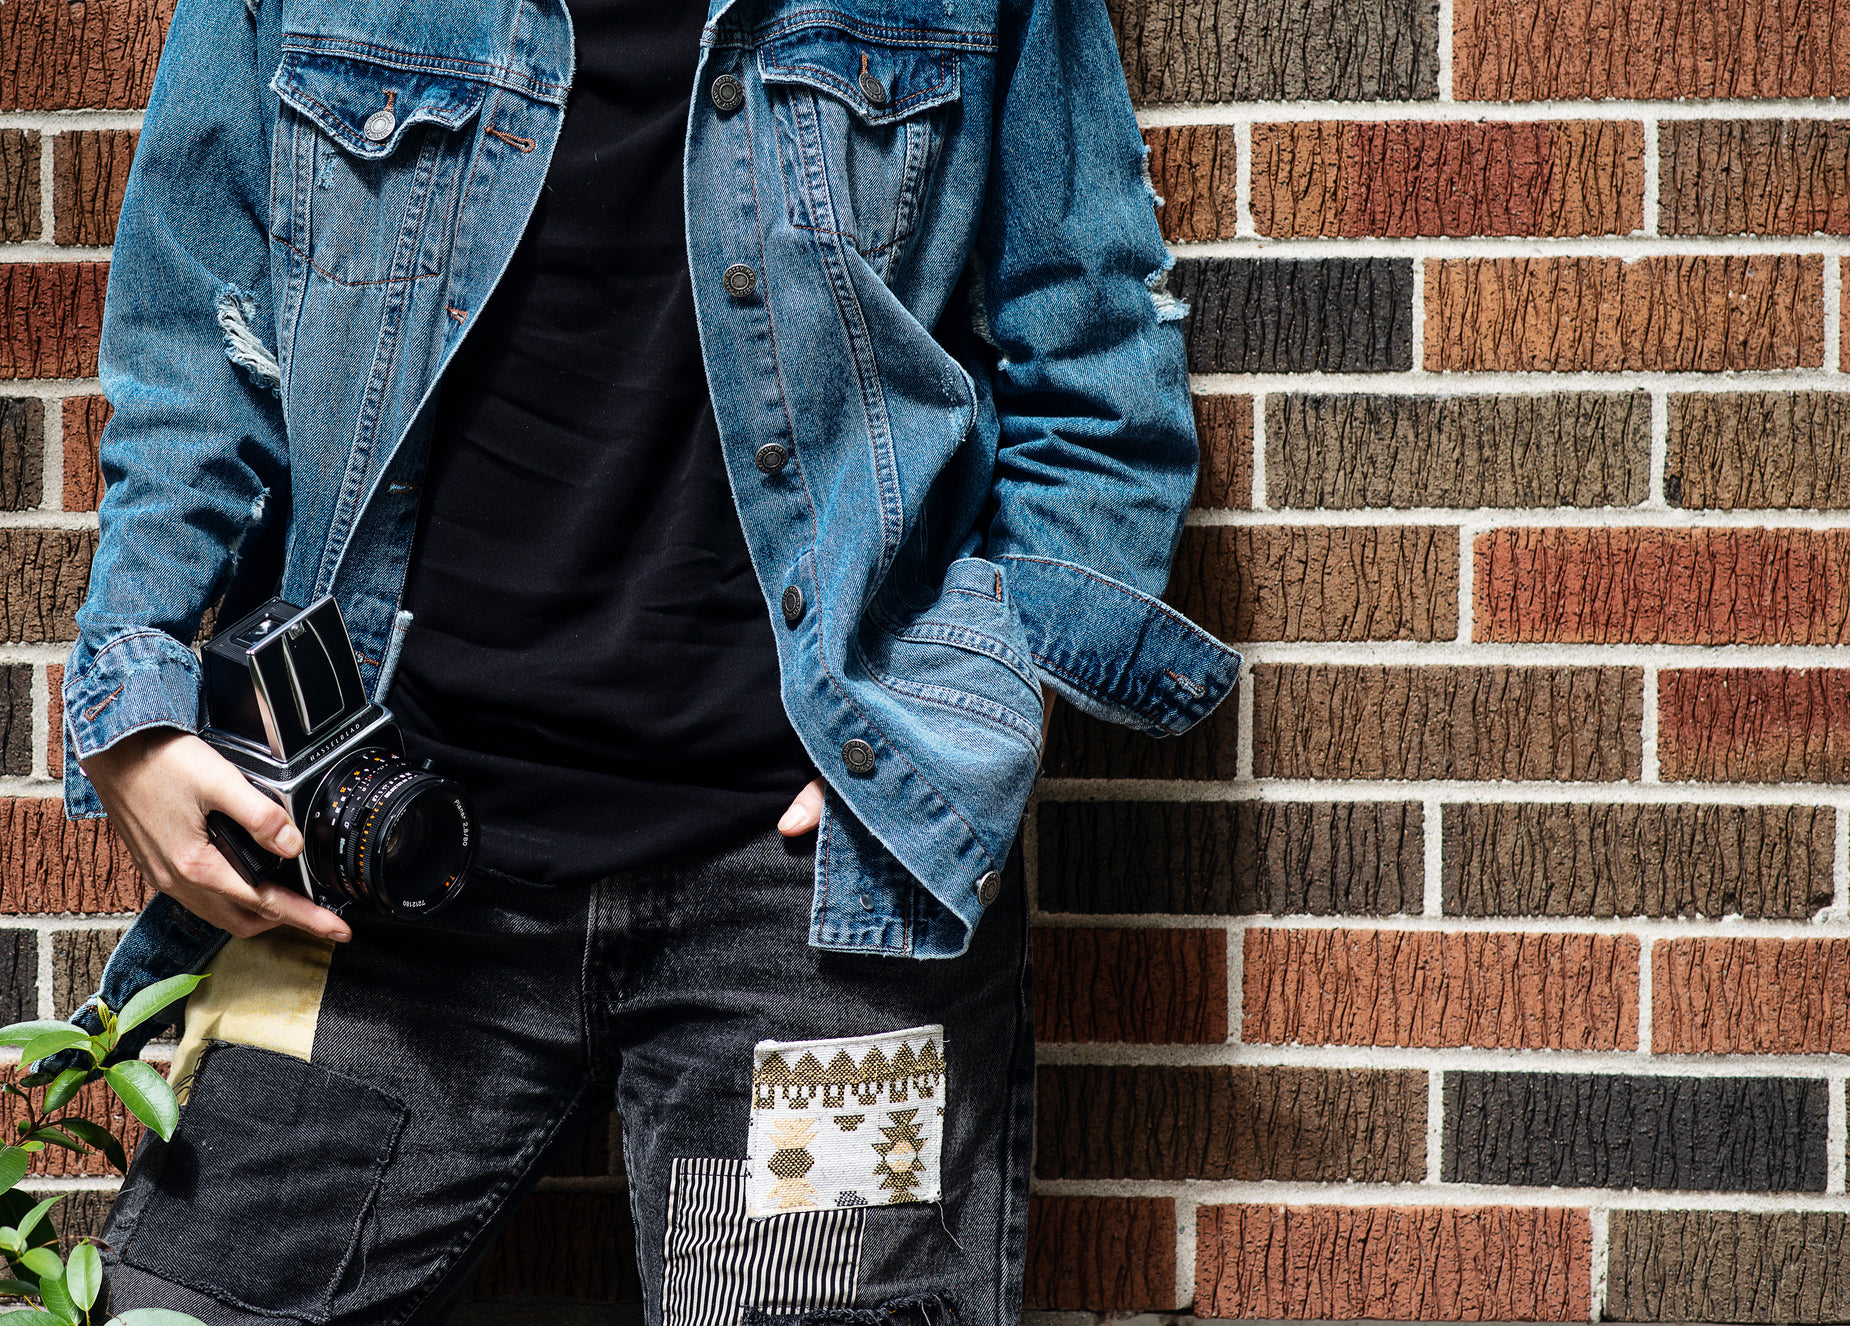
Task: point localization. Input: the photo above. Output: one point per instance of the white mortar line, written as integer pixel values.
(1628, 247)
(1433, 882)
(1236, 981)
(1435, 1129)
(1450, 653)
(1243, 180)
(17, 786)
(1484, 519)
(1646, 929)
(40, 654)
(52, 388)
(1834, 1133)
(1444, 35)
(1650, 171)
(1467, 580)
(1260, 500)
(41, 721)
(41, 519)
(1833, 315)
(46, 251)
(47, 171)
(44, 944)
(48, 922)
(1600, 1232)
(1243, 726)
(1457, 383)
(1840, 868)
(48, 1184)
(1271, 1192)
(1659, 450)
(60, 121)
(1417, 310)
(1648, 770)
(1185, 1250)
(1232, 112)
(1343, 1058)
(1645, 945)
(1358, 790)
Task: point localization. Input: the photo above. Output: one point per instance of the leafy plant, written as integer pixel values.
(41, 1288)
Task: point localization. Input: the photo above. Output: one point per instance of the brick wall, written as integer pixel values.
(1488, 956)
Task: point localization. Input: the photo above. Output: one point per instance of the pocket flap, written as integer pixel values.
(881, 83)
(366, 107)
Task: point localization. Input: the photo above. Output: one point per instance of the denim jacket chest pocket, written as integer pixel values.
(860, 115)
(366, 165)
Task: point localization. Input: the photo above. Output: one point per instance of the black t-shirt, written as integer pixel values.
(590, 652)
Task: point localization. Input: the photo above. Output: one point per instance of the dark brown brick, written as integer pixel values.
(1394, 1263)
(1303, 582)
(1143, 986)
(1308, 1125)
(1583, 449)
(1736, 1266)
(1707, 313)
(19, 184)
(44, 574)
(1759, 449)
(19, 975)
(84, 417)
(1440, 990)
(1272, 315)
(1542, 859)
(1324, 721)
(1411, 178)
(22, 453)
(1265, 50)
(1224, 425)
(89, 173)
(51, 314)
(79, 1214)
(1765, 177)
(51, 865)
(1756, 725)
(574, 1246)
(1079, 746)
(1192, 171)
(1101, 1254)
(1219, 858)
(97, 55)
(1715, 995)
(77, 958)
(1662, 586)
(15, 719)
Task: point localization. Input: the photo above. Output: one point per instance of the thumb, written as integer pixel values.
(805, 812)
(266, 821)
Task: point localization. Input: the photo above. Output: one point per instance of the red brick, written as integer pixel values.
(1662, 586)
(1412, 178)
(1438, 990)
(1101, 1254)
(51, 865)
(89, 173)
(53, 315)
(94, 1102)
(99, 55)
(1535, 50)
(1142, 986)
(54, 720)
(1756, 725)
(1706, 313)
(1750, 996)
(1224, 425)
(1192, 170)
(44, 574)
(84, 417)
(1762, 177)
(1390, 1263)
(19, 184)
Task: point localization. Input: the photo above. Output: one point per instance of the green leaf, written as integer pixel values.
(13, 1162)
(146, 1093)
(10, 1241)
(51, 1042)
(18, 1289)
(33, 1317)
(36, 1214)
(153, 999)
(100, 1138)
(64, 1088)
(21, 1033)
(43, 1262)
(56, 1136)
(57, 1298)
(84, 1276)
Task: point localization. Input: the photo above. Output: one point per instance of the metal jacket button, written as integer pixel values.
(740, 281)
(770, 458)
(858, 756)
(792, 605)
(871, 87)
(989, 888)
(379, 125)
(727, 93)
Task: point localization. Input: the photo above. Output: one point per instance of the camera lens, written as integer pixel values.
(391, 834)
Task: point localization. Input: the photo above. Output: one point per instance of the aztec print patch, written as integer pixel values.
(717, 1263)
(841, 1123)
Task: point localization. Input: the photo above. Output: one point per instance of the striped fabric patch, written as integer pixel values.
(716, 1262)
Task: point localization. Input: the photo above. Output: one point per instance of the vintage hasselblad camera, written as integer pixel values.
(285, 704)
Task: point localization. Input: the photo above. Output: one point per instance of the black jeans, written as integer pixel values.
(361, 1119)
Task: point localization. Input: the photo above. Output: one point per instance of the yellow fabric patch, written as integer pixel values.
(263, 991)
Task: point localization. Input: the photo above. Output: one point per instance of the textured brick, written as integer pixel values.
(1224, 424)
(1739, 1266)
(77, 958)
(1662, 586)
(16, 719)
(1192, 170)
(19, 975)
(576, 1246)
(1763, 177)
(1303, 582)
(1142, 986)
(54, 720)
(1535, 50)
(1755, 725)
(1219, 858)
(1705, 313)
(51, 314)
(84, 417)
(1604, 1130)
(44, 574)
(1412, 178)
(1336, 315)
(79, 1214)
(1325, 721)
(98, 55)
(1308, 1125)
(93, 1102)
(1752, 449)
(22, 453)
(1425, 988)
(1539, 859)
(1750, 996)
(1583, 449)
(1412, 1263)
(89, 173)
(1079, 746)
(51, 865)
(1265, 50)
(1101, 1253)
(19, 184)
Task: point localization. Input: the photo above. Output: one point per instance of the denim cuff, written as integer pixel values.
(141, 679)
(1116, 652)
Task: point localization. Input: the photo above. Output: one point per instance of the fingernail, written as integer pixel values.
(790, 820)
(289, 840)
(341, 936)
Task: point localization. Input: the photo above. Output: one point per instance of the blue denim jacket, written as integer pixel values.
(946, 302)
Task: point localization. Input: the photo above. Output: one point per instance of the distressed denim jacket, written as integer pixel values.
(925, 264)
